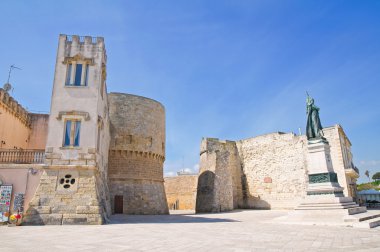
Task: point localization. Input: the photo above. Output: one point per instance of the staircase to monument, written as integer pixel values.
(367, 219)
(347, 213)
(351, 206)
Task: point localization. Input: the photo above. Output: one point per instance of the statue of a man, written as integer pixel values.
(313, 125)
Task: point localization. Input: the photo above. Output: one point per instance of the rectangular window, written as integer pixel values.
(68, 74)
(72, 133)
(78, 75)
(86, 76)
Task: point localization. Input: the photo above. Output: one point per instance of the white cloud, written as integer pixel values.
(188, 170)
(196, 168)
(170, 174)
(370, 163)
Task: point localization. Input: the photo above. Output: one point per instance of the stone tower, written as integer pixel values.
(73, 187)
(137, 154)
(219, 182)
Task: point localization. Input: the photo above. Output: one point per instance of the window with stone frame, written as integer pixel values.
(72, 133)
(77, 70)
(77, 74)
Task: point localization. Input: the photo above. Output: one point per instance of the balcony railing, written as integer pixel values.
(10, 156)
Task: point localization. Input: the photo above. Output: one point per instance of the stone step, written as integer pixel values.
(362, 217)
(329, 206)
(371, 223)
(356, 210)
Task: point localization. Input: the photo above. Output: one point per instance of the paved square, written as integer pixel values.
(242, 230)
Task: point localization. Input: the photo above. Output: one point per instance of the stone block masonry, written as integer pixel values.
(181, 192)
(137, 154)
(275, 168)
(73, 187)
(69, 196)
(220, 181)
(265, 172)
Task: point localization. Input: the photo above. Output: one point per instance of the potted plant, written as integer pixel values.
(14, 220)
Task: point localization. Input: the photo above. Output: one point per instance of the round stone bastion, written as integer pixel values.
(137, 154)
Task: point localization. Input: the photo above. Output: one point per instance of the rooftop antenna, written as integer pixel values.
(7, 86)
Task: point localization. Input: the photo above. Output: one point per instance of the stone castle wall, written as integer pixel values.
(137, 153)
(181, 192)
(275, 169)
(265, 172)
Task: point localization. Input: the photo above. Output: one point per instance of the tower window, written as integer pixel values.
(72, 133)
(77, 74)
(68, 75)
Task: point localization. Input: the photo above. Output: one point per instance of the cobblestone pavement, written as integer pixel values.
(246, 230)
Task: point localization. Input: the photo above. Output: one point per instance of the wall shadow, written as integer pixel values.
(169, 219)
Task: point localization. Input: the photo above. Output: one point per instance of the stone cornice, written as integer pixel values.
(133, 153)
(78, 57)
(84, 114)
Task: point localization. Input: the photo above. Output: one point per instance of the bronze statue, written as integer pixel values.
(313, 125)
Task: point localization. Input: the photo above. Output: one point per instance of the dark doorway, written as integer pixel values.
(205, 193)
(118, 204)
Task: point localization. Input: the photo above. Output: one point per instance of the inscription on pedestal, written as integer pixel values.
(323, 178)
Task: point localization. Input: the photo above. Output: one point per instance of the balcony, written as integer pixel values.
(352, 171)
(12, 156)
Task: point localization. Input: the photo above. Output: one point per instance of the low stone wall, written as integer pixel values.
(181, 192)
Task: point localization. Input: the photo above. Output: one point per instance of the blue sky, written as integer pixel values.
(225, 69)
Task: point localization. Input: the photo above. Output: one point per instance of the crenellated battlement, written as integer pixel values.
(86, 40)
(215, 144)
(84, 46)
(13, 107)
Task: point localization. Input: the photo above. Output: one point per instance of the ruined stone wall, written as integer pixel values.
(181, 192)
(219, 183)
(275, 169)
(137, 153)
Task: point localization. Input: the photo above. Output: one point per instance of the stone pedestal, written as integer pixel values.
(323, 191)
(324, 203)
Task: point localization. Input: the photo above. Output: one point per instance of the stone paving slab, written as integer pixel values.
(246, 230)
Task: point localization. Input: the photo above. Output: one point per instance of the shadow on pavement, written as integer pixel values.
(177, 218)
